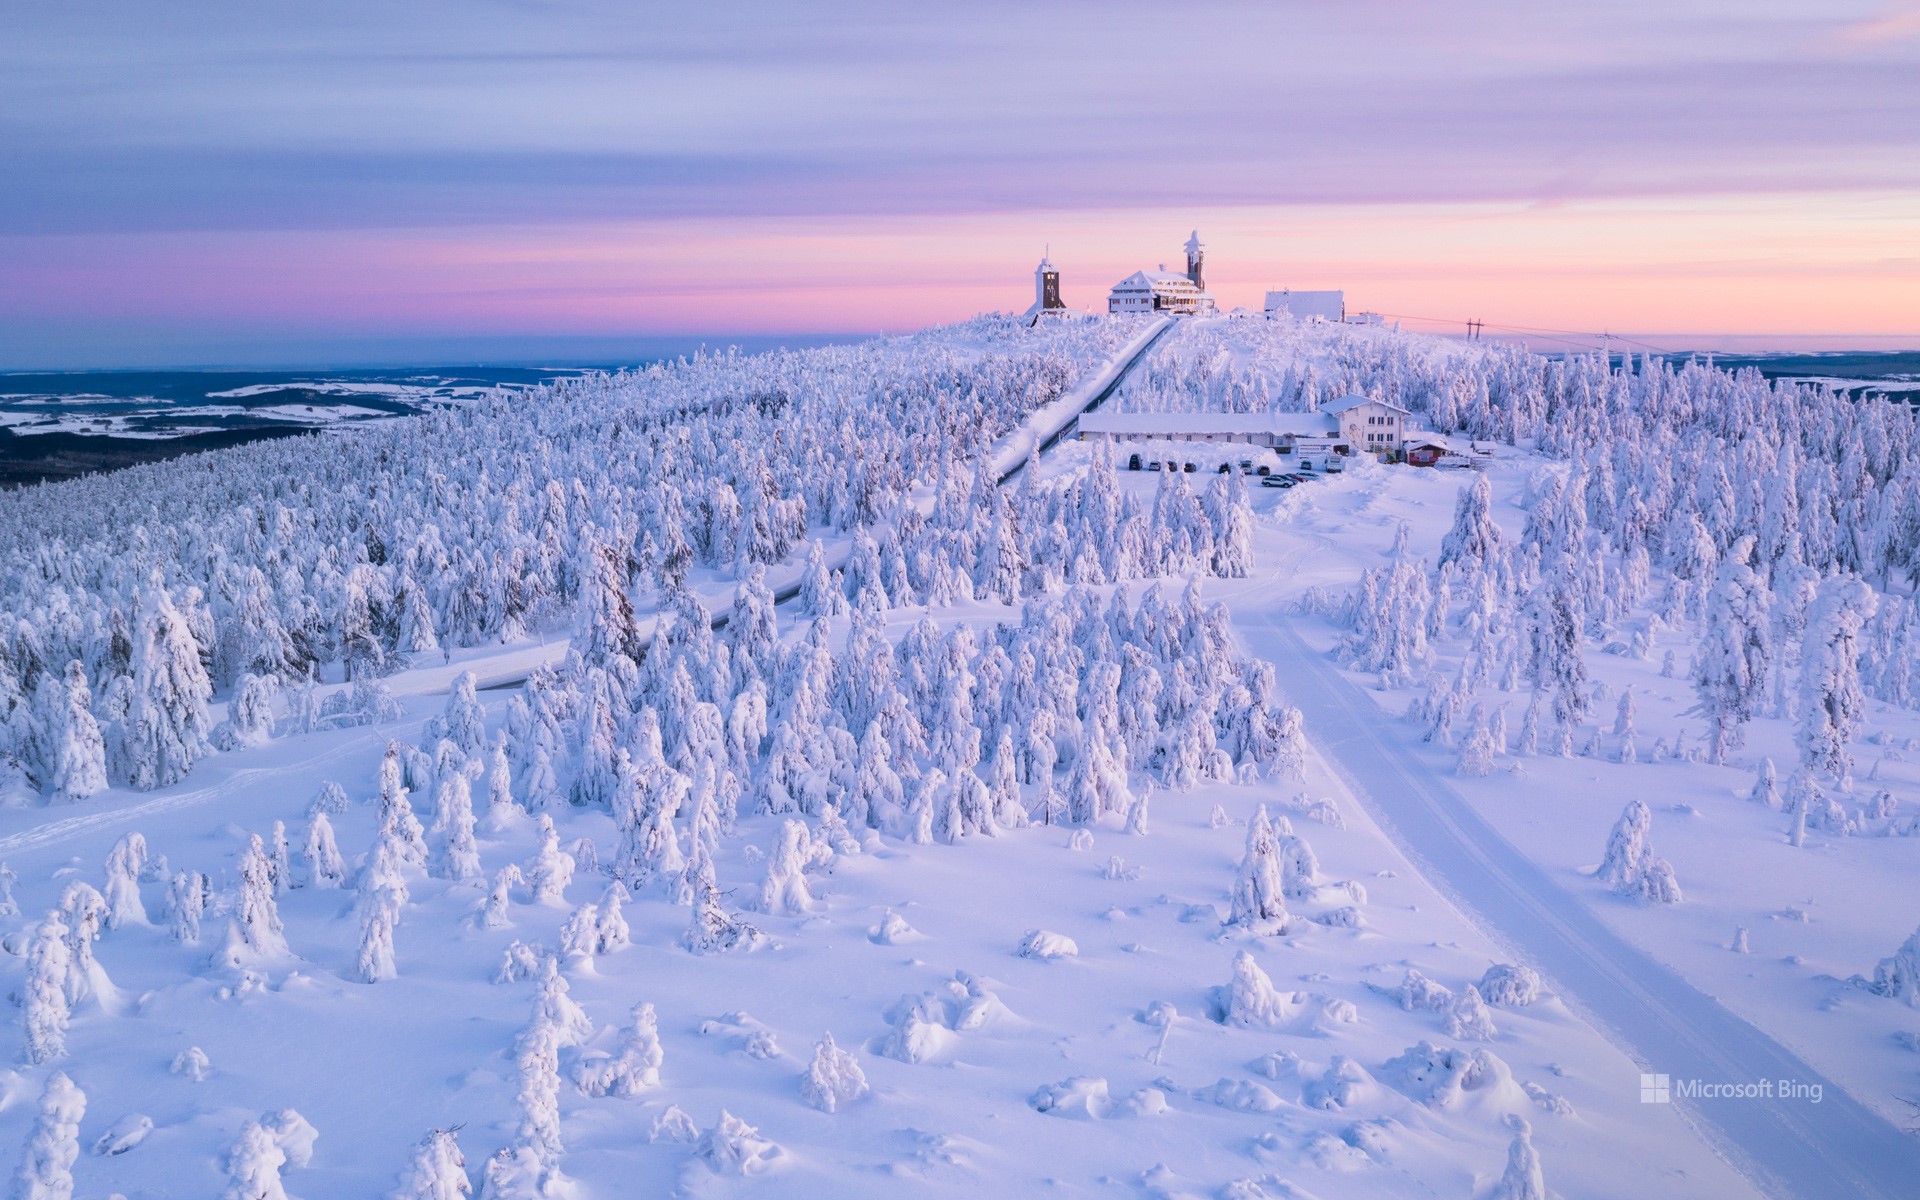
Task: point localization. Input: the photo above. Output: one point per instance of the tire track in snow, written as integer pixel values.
(1788, 1148)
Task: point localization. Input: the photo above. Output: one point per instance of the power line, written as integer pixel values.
(1474, 326)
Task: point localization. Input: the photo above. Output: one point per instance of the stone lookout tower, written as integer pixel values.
(1046, 289)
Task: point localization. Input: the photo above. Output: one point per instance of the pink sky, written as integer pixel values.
(232, 183)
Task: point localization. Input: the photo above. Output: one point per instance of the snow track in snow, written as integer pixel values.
(111, 815)
(1788, 1147)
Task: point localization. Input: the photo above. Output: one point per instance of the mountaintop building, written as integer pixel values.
(1307, 306)
(1046, 289)
(1165, 291)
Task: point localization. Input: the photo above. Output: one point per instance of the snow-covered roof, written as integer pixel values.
(1144, 280)
(1427, 437)
(1346, 402)
(1175, 425)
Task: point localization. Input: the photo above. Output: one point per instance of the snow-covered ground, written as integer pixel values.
(373, 1067)
(1103, 982)
(1815, 915)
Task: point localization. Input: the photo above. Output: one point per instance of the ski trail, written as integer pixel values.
(1788, 1148)
(80, 824)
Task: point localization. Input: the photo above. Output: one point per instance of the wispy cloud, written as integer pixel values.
(272, 132)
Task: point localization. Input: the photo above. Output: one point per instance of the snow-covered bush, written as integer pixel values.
(834, 1079)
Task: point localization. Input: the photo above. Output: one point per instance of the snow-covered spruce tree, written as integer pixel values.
(833, 1079)
(785, 890)
(464, 723)
(603, 622)
(1554, 665)
(1832, 702)
(1259, 890)
(186, 900)
(537, 1059)
(1230, 511)
(79, 751)
(44, 1009)
(550, 869)
(46, 1168)
(253, 1165)
(1898, 977)
(124, 865)
(166, 727)
(1731, 662)
(456, 855)
(417, 634)
(1251, 1000)
(396, 812)
(820, 594)
(379, 912)
(634, 1069)
(438, 1171)
(501, 806)
(1522, 1179)
(256, 927)
(1630, 867)
(249, 714)
(85, 910)
(1766, 786)
(1624, 713)
(1476, 753)
(1474, 540)
(712, 928)
(325, 867)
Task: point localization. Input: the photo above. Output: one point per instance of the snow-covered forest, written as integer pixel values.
(766, 766)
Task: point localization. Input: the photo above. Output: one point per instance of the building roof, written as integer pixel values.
(1346, 402)
(1153, 280)
(1427, 437)
(1177, 425)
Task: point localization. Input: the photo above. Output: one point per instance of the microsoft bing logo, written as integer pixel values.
(1654, 1089)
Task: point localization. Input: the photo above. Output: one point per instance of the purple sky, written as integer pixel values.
(211, 181)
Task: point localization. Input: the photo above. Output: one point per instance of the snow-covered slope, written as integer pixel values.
(996, 858)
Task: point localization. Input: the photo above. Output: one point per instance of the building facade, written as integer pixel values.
(1376, 426)
(1165, 291)
(1046, 289)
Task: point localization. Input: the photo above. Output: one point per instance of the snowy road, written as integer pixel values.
(1789, 1148)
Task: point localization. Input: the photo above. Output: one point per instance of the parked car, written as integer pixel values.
(1276, 481)
(1154, 465)
(1133, 462)
(1225, 468)
(1263, 470)
(1246, 464)
(1189, 468)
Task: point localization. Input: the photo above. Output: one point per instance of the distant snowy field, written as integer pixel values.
(981, 800)
(169, 404)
